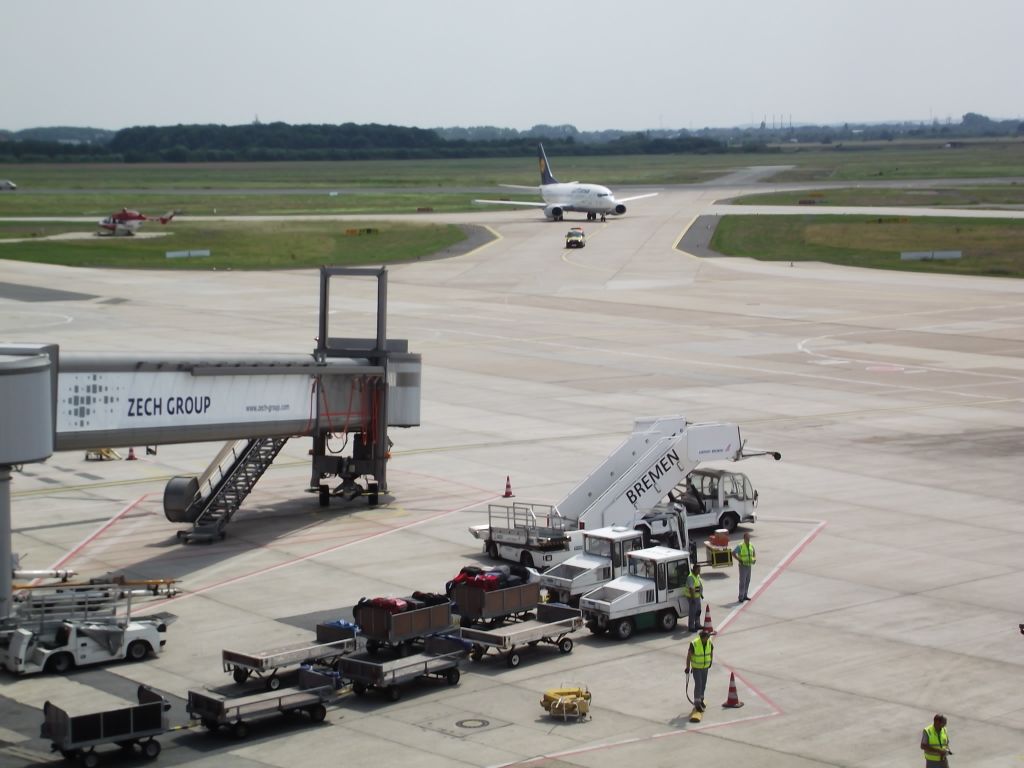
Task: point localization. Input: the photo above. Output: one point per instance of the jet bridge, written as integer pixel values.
(347, 391)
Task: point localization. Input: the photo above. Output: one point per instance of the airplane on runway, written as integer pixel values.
(126, 222)
(572, 196)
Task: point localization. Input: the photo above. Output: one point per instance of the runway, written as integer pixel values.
(887, 585)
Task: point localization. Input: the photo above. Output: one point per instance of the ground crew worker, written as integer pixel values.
(935, 743)
(698, 658)
(693, 591)
(746, 556)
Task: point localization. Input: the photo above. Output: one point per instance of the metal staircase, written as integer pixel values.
(215, 511)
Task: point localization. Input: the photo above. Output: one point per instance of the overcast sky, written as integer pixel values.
(629, 64)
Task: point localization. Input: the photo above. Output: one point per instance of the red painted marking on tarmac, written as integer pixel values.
(98, 532)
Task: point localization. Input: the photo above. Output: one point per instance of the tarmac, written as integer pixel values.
(887, 585)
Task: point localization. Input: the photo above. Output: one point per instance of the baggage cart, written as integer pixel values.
(475, 605)
(314, 691)
(403, 630)
(77, 736)
(332, 642)
(552, 626)
(440, 659)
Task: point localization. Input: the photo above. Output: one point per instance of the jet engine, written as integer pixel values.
(620, 209)
(554, 212)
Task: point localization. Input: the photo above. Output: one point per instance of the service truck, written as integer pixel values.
(630, 483)
(650, 594)
(56, 629)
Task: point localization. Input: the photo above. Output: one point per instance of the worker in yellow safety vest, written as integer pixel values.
(698, 659)
(746, 556)
(935, 743)
(693, 592)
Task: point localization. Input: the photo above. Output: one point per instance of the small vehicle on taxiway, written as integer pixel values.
(575, 238)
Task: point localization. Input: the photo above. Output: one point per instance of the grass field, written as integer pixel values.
(235, 245)
(988, 196)
(989, 247)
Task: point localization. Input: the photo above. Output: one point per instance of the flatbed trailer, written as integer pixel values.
(403, 630)
(77, 736)
(553, 625)
(311, 696)
(332, 642)
(479, 606)
(440, 659)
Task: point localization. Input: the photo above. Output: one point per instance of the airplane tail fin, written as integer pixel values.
(545, 170)
(167, 217)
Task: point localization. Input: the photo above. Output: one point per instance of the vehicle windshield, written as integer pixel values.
(645, 569)
(599, 547)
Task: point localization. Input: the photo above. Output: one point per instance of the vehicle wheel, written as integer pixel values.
(324, 495)
(393, 692)
(595, 628)
(526, 560)
(372, 646)
(513, 659)
(68, 754)
(90, 759)
(533, 643)
(60, 663)
(667, 620)
(729, 521)
(622, 629)
(151, 748)
(210, 725)
(452, 676)
(273, 683)
(358, 688)
(137, 650)
(317, 713)
(240, 675)
(492, 550)
(239, 730)
(565, 645)
(476, 654)
(127, 746)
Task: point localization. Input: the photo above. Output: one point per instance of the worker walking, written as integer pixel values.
(746, 556)
(694, 592)
(935, 743)
(698, 658)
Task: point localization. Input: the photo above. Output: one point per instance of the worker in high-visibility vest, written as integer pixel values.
(746, 556)
(693, 592)
(935, 743)
(698, 659)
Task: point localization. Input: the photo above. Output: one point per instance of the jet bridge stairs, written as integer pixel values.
(230, 478)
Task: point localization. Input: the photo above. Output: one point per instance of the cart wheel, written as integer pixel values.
(151, 748)
(452, 676)
(210, 725)
(476, 654)
(126, 745)
(513, 659)
(318, 712)
(358, 688)
(492, 550)
(372, 646)
(595, 628)
(90, 759)
(533, 643)
(239, 730)
(273, 683)
(240, 675)
(393, 692)
(565, 645)
(68, 754)
(324, 494)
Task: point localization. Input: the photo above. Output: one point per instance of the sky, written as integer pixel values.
(595, 64)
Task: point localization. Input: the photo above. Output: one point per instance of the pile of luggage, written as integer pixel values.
(490, 579)
(401, 604)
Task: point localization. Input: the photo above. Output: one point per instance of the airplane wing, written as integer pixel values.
(635, 197)
(520, 203)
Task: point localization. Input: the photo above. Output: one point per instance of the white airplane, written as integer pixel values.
(573, 196)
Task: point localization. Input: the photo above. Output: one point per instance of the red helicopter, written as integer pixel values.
(126, 222)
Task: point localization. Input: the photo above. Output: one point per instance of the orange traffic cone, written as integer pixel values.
(734, 699)
(508, 488)
(131, 455)
(707, 621)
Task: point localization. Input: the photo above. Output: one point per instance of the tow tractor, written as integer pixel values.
(628, 485)
(56, 628)
(649, 595)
